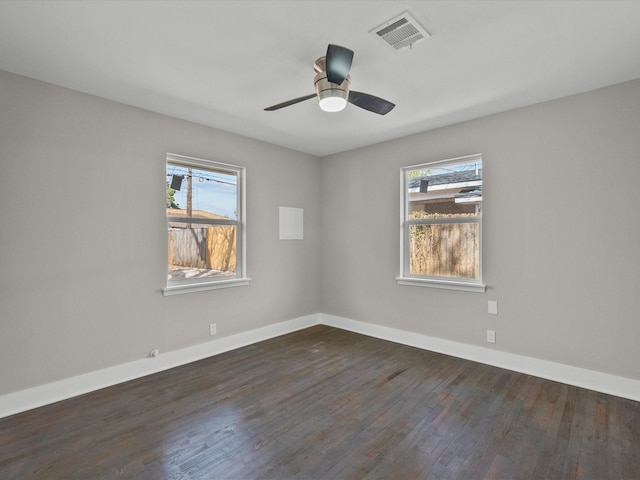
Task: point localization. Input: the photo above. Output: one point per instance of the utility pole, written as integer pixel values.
(189, 194)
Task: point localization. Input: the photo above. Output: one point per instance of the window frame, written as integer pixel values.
(406, 277)
(210, 283)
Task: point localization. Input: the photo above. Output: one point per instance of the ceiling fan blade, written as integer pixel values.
(289, 102)
(338, 62)
(369, 102)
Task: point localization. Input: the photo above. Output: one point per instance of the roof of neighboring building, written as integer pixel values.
(179, 212)
(447, 178)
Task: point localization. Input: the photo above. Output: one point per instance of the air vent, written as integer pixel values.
(400, 32)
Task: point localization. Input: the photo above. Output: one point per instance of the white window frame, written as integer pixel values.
(405, 277)
(176, 287)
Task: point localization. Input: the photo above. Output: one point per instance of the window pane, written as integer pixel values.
(445, 250)
(200, 193)
(445, 189)
(197, 251)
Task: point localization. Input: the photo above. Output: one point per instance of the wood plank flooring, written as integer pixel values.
(323, 403)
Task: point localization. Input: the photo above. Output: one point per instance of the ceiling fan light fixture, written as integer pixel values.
(333, 95)
(332, 100)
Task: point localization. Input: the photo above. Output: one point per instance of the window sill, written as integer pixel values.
(203, 286)
(445, 284)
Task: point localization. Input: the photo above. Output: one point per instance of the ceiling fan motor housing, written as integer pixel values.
(326, 89)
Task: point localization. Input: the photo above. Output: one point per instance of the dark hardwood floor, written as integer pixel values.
(323, 403)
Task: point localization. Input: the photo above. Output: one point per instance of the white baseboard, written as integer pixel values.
(41, 395)
(579, 377)
(27, 399)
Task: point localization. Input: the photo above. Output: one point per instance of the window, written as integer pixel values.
(205, 220)
(441, 239)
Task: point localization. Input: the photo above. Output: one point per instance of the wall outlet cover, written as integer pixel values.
(491, 336)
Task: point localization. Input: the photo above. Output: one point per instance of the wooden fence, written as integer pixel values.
(446, 250)
(207, 247)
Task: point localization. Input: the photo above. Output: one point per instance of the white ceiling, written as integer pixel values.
(219, 63)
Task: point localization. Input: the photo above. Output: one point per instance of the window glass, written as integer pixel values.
(442, 220)
(204, 222)
(203, 193)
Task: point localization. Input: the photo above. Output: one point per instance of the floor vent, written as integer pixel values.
(400, 32)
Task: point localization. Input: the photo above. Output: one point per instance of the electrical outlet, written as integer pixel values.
(491, 336)
(212, 329)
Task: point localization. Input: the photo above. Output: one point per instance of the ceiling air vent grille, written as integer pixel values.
(400, 32)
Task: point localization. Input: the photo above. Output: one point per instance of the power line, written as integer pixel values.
(202, 178)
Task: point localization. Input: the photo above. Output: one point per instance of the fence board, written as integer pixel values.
(206, 247)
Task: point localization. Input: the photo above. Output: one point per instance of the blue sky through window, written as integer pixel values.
(212, 191)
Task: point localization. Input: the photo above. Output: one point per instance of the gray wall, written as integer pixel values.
(561, 232)
(83, 235)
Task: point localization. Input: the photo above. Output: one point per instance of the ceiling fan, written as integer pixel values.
(332, 82)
